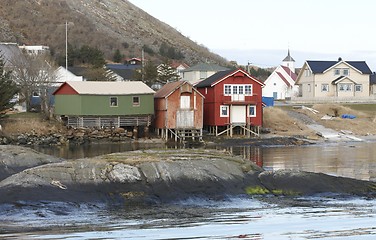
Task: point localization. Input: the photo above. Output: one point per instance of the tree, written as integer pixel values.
(148, 74)
(117, 56)
(34, 74)
(8, 89)
(98, 74)
(166, 73)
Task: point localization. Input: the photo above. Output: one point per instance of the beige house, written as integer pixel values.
(334, 79)
(200, 72)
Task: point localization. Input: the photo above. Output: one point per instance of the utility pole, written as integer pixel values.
(66, 45)
(143, 64)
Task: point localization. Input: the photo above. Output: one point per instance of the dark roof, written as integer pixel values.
(372, 78)
(167, 89)
(126, 74)
(338, 79)
(122, 66)
(78, 71)
(213, 78)
(361, 66)
(321, 66)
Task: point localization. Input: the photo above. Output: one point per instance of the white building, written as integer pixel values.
(39, 49)
(281, 83)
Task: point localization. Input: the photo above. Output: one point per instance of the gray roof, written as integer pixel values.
(208, 67)
(111, 88)
(288, 58)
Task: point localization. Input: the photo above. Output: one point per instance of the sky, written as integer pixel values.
(261, 31)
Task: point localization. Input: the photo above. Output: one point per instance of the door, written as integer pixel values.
(275, 95)
(238, 114)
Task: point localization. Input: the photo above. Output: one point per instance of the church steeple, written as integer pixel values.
(289, 61)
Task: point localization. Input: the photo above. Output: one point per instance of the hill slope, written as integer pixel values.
(106, 24)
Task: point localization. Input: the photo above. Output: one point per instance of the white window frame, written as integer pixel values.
(185, 102)
(344, 87)
(346, 72)
(360, 86)
(227, 110)
(307, 72)
(254, 111)
(324, 89)
(136, 103)
(241, 89)
(337, 72)
(114, 102)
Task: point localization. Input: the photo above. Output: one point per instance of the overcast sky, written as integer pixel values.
(261, 31)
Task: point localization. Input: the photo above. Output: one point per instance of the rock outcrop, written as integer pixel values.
(149, 176)
(14, 159)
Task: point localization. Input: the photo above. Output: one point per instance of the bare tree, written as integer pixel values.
(34, 74)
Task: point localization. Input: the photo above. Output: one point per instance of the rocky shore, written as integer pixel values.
(154, 176)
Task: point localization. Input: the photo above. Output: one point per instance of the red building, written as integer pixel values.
(233, 102)
(179, 111)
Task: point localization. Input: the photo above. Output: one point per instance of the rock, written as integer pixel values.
(165, 175)
(14, 159)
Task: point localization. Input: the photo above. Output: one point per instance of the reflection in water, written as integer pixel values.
(353, 160)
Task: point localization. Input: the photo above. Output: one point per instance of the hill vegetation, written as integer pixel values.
(113, 26)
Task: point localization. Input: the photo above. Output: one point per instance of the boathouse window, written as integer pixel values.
(113, 101)
(227, 89)
(136, 101)
(224, 111)
(185, 102)
(252, 111)
(248, 90)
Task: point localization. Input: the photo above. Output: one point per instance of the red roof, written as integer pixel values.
(290, 73)
(284, 79)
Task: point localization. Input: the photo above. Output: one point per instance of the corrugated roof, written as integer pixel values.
(205, 67)
(111, 88)
(167, 89)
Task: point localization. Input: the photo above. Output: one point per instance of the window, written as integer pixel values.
(345, 72)
(337, 71)
(136, 101)
(345, 87)
(324, 87)
(185, 102)
(241, 89)
(248, 90)
(36, 94)
(307, 72)
(252, 111)
(234, 89)
(358, 88)
(224, 111)
(113, 101)
(227, 89)
(309, 87)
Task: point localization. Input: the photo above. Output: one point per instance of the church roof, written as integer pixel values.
(288, 58)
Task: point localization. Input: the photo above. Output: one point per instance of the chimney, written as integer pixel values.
(339, 59)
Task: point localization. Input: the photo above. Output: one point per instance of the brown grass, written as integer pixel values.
(280, 123)
(363, 124)
(35, 126)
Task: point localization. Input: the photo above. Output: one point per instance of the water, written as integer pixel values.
(233, 218)
(240, 217)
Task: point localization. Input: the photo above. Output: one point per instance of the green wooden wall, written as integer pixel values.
(99, 105)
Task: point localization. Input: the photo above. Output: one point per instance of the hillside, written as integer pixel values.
(106, 24)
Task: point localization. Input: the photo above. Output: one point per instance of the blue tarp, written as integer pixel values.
(269, 101)
(349, 116)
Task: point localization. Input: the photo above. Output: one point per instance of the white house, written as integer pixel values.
(281, 83)
(64, 75)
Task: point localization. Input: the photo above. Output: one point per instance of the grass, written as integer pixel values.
(25, 115)
(368, 108)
